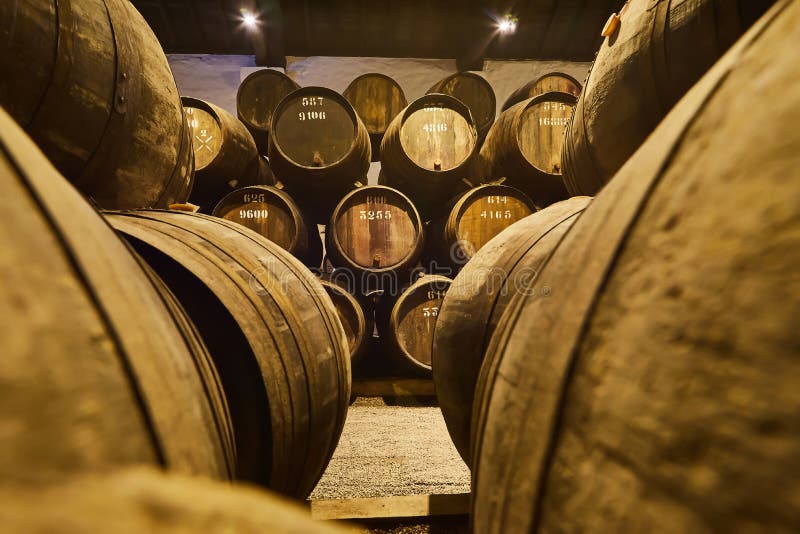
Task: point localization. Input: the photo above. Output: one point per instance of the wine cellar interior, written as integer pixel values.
(446, 267)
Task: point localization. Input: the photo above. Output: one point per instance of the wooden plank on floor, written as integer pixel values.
(391, 507)
(393, 387)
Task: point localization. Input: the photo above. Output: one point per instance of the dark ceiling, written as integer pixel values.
(547, 29)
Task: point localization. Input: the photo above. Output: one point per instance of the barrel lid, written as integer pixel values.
(540, 121)
(313, 147)
(205, 129)
(248, 113)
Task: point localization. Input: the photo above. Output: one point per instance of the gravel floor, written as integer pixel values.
(393, 450)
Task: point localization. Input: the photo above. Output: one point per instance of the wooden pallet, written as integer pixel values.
(393, 387)
(406, 506)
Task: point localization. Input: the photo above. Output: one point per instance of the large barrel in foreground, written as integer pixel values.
(90, 84)
(225, 155)
(659, 51)
(475, 304)
(654, 387)
(524, 147)
(475, 92)
(318, 148)
(428, 150)
(377, 99)
(273, 214)
(132, 501)
(96, 373)
(256, 100)
(471, 220)
(552, 82)
(272, 332)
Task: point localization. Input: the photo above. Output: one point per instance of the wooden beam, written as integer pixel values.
(406, 506)
(393, 387)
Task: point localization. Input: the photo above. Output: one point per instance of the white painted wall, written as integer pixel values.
(216, 78)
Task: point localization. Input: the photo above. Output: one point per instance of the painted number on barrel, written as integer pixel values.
(553, 121)
(434, 127)
(372, 215)
(253, 214)
(434, 295)
(497, 199)
(432, 311)
(496, 214)
(254, 197)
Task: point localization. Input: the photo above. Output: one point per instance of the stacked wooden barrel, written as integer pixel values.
(474, 218)
(475, 92)
(524, 147)
(552, 82)
(319, 148)
(377, 100)
(273, 214)
(256, 100)
(225, 155)
(428, 149)
(88, 81)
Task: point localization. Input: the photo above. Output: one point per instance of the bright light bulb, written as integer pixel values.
(250, 20)
(507, 25)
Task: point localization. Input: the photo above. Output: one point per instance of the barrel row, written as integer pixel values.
(613, 359)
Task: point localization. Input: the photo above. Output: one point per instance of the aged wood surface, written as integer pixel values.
(136, 500)
(273, 214)
(318, 148)
(476, 301)
(524, 147)
(377, 99)
(406, 323)
(96, 373)
(428, 149)
(553, 82)
(90, 84)
(357, 325)
(655, 385)
(273, 333)
(640, 72)
(474, 91)
(225, 155)
(256, 99)
(375, 229)
(391, 507)
(471, 221)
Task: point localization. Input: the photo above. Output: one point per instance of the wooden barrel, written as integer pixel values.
(225, 156)
(428, 149)
(96, 373)
(357, 325)
(272, 332)
(655, 382)
(656, 55)
(471, 220)
(475, 92)
(552, 82)
(524, 147)
(406, 323)
(375, 231)
(318, 148)
(476, 301)
(146, 500)
(273, 214)
(256, 99)
(90, 84)
(377, 100)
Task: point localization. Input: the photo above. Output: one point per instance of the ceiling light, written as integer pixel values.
(249, 19)
(508, 24)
